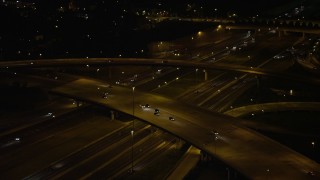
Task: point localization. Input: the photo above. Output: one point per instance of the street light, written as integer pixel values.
(131, 171)
(228, 173)
(197, 75)
(132, 130)
(312, 144)
(133, 105)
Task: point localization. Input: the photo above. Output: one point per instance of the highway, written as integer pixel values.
(83, 62)
(85, 157)
(280, 24)
(93, 154)
(228, 86)
(220, 92)
(38, 129)
(237, 146)
(273, 107)
(17, 122)
(150, 148)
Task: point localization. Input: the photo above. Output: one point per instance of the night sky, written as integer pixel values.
(81, 28)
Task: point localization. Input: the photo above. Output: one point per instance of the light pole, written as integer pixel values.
(133, 106)
(313, 150)
(132, 130)
(228, 173)
(197, 75)
(215, 143)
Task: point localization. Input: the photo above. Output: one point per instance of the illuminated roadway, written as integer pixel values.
(154, 62)
(280, 24)
(272, 107)
(250, 153)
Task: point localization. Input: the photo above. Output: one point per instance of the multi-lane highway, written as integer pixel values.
(154, 62)
(237, 146)
(216, 94)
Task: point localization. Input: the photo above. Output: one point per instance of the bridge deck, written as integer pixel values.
(252, 154)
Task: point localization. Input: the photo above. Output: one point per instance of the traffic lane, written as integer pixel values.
(159, 79)
(194, 125)
(85, 152)
(12, 122)
(220, 46)
(41, 130)
(218, 54)
(227, 97)
(107, 156)
(231, 79)
(271, 107)
(227, 103)
(19, 165)
(144, 153)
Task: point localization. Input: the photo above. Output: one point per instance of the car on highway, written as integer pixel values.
(156, 112)
(145, 106)
(214, 132)
(278, 57)
(311, 173)
(105, 95)
(171, 118)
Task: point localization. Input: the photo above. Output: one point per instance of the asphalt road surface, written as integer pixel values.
(252, 154)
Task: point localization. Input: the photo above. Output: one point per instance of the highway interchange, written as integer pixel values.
(192, 124)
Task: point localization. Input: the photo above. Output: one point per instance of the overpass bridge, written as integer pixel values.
(84, 62)
(273, 107)
(246, 151)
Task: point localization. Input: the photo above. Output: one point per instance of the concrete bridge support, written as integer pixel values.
(204, 157)
(109, 72)
(112, 114)
(205, 75)
(281, 33)
(179, 143)
(258, 78)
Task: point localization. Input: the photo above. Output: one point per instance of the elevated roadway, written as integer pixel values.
(273, 107)
(87, 62)
(254, 155)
